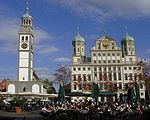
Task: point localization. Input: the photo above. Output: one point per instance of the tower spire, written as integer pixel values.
(126, 30)
(78, 30)
(27, 8)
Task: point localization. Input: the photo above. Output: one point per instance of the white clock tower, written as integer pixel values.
(25, 48)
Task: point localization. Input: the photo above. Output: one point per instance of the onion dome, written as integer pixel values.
(127, 38)
(78, 38)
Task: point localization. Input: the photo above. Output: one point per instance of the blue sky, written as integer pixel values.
(55, 24)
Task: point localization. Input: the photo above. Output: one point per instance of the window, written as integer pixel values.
(74, 77)
(94, 61)
(78, 49)
(75, 87)
(99, 61)
(119, 69)
(103, 54)
(130, 68)
(22, 39)
(100, 69)
(83, 68)
(119, 75)
(141, 86)
(110, 76)
(113, 54)
(108, 54)
(118, 61)
(109, 61)
(105, 69)
(95, 69)
(126, 76)
(84, 77)
(99, 54)
(29, 22)
(134, 68)
(130, 76)
(100, 76)
(89, 77)
(120, 86)
(141, 94)
(26, 38)
(130, 59)
(115, 77)
(125, 68)
(104, 61)
(114, 68)
(118, 54)
(94, 54)
(74, 69)
(80, 87)
(88, 68)
(79, 68)
(114, 61)
(23, 78)
(126, 86)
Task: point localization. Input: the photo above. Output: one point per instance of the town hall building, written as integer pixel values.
(112, 67)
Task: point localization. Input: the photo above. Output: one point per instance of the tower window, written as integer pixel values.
(29, 22)
(22, 39)
(26, 38)
(78, 50)
(23, 78)
(24, 21)
(126, 76)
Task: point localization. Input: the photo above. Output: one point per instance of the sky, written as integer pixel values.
(55, 24)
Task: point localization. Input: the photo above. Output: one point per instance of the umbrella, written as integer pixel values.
(61, 94)
(130, 94)
(95, 92)
(137, 91)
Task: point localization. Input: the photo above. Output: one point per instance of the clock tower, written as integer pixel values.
(25, 48)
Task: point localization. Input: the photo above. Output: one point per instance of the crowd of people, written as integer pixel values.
(90, 111)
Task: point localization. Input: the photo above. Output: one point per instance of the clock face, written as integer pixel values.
(24, 45)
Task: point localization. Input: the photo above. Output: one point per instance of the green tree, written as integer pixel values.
(49, 86)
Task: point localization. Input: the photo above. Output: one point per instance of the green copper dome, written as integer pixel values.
(127, 38)
(78, 38)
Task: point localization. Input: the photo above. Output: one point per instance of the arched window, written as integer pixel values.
(26, 38)
(24, 22)
(22, 39)
(29, 22)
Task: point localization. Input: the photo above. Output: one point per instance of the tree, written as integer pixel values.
(62, 74)
(48, 85)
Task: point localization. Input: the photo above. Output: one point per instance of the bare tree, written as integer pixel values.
(62, 74)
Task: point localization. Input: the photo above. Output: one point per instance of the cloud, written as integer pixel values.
(41, 35)
(148, 51)
(46, 49)
(60, 59)
(43, 73)
(102, 10)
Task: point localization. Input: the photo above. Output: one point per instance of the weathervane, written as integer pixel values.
(104, 32)
(126, 29)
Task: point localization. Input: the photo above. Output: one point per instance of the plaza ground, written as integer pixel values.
(34, 115)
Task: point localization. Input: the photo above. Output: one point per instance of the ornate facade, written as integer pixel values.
(112, 67)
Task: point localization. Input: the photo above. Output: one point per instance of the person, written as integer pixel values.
(46, 110)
